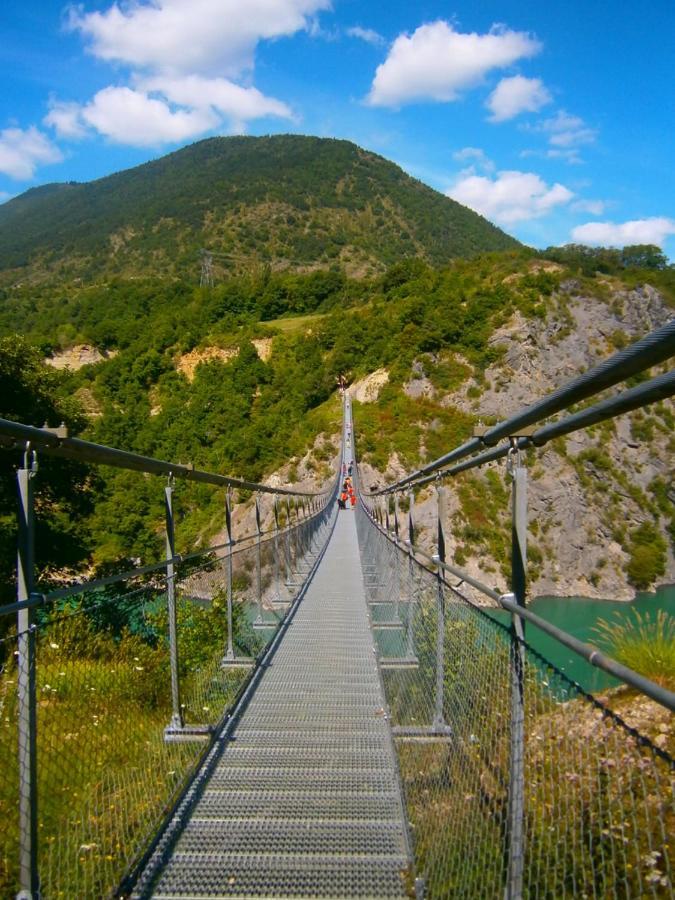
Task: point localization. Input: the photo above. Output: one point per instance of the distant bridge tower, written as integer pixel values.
(206, 277)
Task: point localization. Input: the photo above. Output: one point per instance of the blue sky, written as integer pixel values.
(554, 120)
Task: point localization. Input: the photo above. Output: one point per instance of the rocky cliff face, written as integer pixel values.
(600, 501)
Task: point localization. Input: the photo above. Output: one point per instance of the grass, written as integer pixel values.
(643, 644)
(105, 773)
(291, 324)
(596, 801)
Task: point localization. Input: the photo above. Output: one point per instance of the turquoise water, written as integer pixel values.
(576, 615)
(579, 616)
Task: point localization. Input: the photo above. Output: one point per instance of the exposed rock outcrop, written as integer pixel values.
(78, 356)
(188, 362)
(367, 390)
(588, 491)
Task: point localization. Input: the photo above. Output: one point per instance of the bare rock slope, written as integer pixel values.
(593, 494)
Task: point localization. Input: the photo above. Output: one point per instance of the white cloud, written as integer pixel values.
(230, 99)
(366, 34)
(594, 207)
(565, 130)
(474, 153)
(66, 119)
(191, 36)
(510, 197)
(183, 55)
(132, 117)
(571, 157)
(22, 151)
(436, 62)
(516, 95)
(476, 157)
(638, 231)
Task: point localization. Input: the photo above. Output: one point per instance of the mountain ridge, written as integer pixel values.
(287, 201)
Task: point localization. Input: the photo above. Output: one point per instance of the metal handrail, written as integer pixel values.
(655, 348)
(87, 451)
(651, 391)
(590, 653)
(38, 598)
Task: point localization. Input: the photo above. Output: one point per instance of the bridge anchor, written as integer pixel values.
(182, 734)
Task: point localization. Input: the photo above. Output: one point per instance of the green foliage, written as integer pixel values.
(245, 416)
(481, 523)
(644, 644)
(104, 699)
(608, 260)
(34, 394)
(634, 265)
(299, 199)
(647, 551)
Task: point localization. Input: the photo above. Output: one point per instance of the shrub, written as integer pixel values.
(646, 645)
(647, 551)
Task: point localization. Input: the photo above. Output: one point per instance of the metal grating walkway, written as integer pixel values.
(305, 799)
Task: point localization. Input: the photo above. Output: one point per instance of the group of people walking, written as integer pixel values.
(347, 496)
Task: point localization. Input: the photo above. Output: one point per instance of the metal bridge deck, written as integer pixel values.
(305, 800)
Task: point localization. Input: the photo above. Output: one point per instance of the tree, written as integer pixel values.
(644, 256)
(29, 393)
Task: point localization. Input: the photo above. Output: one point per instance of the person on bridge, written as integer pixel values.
(352, 497)
(342, 500)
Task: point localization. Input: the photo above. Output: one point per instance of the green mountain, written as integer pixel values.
(287, 201)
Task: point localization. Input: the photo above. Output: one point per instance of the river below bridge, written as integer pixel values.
(579, 616)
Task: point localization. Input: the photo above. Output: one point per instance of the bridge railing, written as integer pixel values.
(532, 787)
(111, 690)
(595, 815)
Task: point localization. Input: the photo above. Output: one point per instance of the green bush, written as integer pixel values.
(647, 551)
(643, 644)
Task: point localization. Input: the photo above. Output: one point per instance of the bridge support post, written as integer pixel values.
(29, 879)
(229, 659)
(439, 715)
(287, 544)
(176, 708)
(516, 807)
(410, 643)
(230, 542)
(277, 594)
(258, 561)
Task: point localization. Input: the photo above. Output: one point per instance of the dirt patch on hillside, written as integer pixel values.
(263, 347)
(187, 364)
(78, 356)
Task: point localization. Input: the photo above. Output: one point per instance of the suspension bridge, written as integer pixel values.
(320, 708)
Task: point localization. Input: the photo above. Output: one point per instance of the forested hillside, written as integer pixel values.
(287, 201)
(240, 378)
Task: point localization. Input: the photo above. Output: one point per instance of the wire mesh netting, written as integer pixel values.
(107, 768)
(597, 803)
